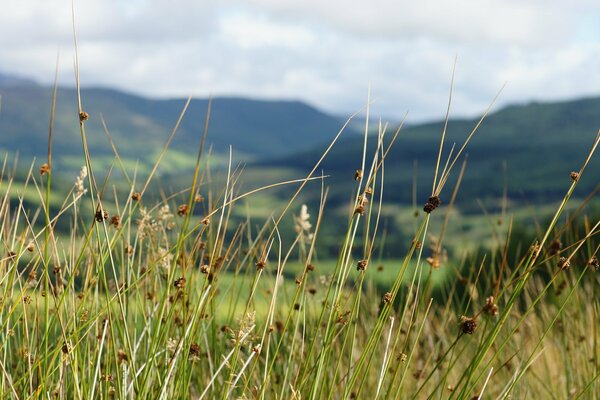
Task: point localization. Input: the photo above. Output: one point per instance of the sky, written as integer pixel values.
(327, 53)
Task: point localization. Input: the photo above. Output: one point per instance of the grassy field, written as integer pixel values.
(125, 287)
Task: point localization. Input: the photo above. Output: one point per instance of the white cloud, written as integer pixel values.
(326, 53)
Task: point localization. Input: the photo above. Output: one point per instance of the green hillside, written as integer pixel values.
(540, 143)
(140, 125)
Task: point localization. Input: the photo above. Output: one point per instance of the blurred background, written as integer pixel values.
(286, 75)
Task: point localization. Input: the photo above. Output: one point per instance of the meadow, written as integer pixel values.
(116, 288)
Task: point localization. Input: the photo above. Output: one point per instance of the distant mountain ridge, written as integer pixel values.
(539, 143)
(139, 126)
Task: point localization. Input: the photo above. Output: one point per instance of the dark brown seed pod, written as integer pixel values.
(358, 175)
(83, 116)
(136, 196)
(362, 265)
(182, 210)
(261, 264)
(574, 176)
(101, 215)
(468, 325)
(555, 247)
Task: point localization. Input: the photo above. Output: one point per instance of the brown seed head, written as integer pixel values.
(83, 116)
(194, 352)
(491, 308)
(555, 247)
(387, 298)
(358, 175)
(574, 176)
(179, 283)
(198, 198)
(101, 215)
(115, 221)
(206, 221)
(122, 356)
(468, 325)
(261, 264)
(182, 210)
(594, 264)
(205, 268)
(434, 261)
(362, 265)
(432, 203)
(564, 263)
(310, 267)
(136, 196)
(44, 169)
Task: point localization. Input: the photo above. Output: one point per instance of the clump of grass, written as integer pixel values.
(170, 296)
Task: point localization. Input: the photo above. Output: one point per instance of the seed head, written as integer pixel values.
(594, 264)
(101, 215)
(261, 264)
(122, 356)
(491, 308)
(574, 176)
(468, 325)
(83, 116)
(432, 203)
(362, 265)
(194, 352)
(182, 210)
(198, 198)
(555, 247)
(358, 175)
(205, 268)
(564, 263)
(179, 283)
(136, 196)
(115, 221)
(44, 169)
(387, 298)
(310, 267)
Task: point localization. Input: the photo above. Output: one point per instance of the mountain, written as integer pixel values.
(140, 126)
(540, 144)
(10, 80)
